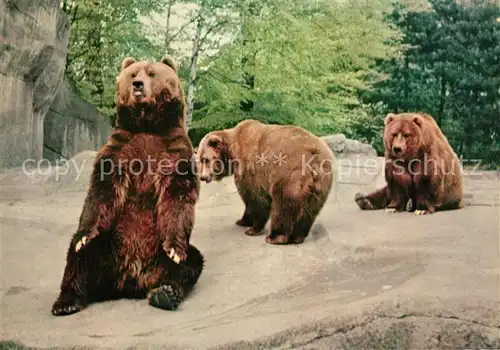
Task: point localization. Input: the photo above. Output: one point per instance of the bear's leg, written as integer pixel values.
(376, 200)
(260, 212)
(302, 229)
(73, 294)
(88, 276)
(287, 208)
(246, 220)
(177, 280)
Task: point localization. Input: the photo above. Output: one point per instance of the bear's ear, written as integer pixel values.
(169, 61)
(214, 141)
(389, 118)
(418, 120)
(127, 62)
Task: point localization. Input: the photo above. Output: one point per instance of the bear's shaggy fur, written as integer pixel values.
(281, 172)
(133, 235)
(422, 171)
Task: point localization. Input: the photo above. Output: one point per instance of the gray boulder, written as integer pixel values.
(343, 146)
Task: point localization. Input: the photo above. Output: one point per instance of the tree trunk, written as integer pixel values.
(95, 75)
(442, 100)
(192, 73)
(248, 60)
(167, 26)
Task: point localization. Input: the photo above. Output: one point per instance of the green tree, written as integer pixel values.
(303, 63)
(449, 68)
(103, 32)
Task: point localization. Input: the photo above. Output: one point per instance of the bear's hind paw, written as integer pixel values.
(165, 297)
(62, 308)
(363, 202)
(390, 210)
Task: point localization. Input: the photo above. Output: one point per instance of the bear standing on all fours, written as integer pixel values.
(422, 171)
(282, 172)
(133, 235)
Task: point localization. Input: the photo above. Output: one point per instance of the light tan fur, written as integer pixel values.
(282, 172)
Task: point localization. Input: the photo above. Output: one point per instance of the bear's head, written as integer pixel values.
(149, 96)
(403, 136)
(213, 157)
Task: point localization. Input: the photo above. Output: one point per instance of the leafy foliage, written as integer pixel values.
(103, 32)
(329, 66)
(310, 61)
(449, 68)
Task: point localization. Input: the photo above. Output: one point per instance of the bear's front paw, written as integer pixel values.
(244, 222)
(176, 254)
(82, 242)
(423, 209)
(84, 237)
(252, 232)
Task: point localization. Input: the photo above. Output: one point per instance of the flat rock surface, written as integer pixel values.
(361, 279)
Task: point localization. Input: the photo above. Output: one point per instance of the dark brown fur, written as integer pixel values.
(132, 218)
(290, 197)
(422, 171)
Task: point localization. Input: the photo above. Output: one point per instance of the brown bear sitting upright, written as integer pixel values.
(282, 172)
(133, 235)
(422, 171)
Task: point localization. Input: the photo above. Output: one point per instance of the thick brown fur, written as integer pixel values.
(291, 193)
(422, 171)
(133, 234)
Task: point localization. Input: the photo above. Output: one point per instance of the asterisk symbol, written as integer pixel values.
(262, 159)
(280, 159)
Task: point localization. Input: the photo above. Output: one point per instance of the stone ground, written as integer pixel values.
(360, 280)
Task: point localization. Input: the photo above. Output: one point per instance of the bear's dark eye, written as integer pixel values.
(134, 75)
(151, 74)
(395, 134)
(405, 135)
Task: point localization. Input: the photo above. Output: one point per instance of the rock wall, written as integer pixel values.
(72, 125)
(34, 38)
(33, 45)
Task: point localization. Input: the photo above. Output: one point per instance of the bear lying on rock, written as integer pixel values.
(133, 235)
(284, 173)
(422, 171)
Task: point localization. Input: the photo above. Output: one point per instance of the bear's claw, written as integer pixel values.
(176, 256)
(173, 255)
(421, 212)
(390, 210)
(62, 308)
(81, 243)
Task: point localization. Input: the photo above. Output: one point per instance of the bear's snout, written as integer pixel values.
(138, 85)
(396, 149)
(138, 88)
(205, 178)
